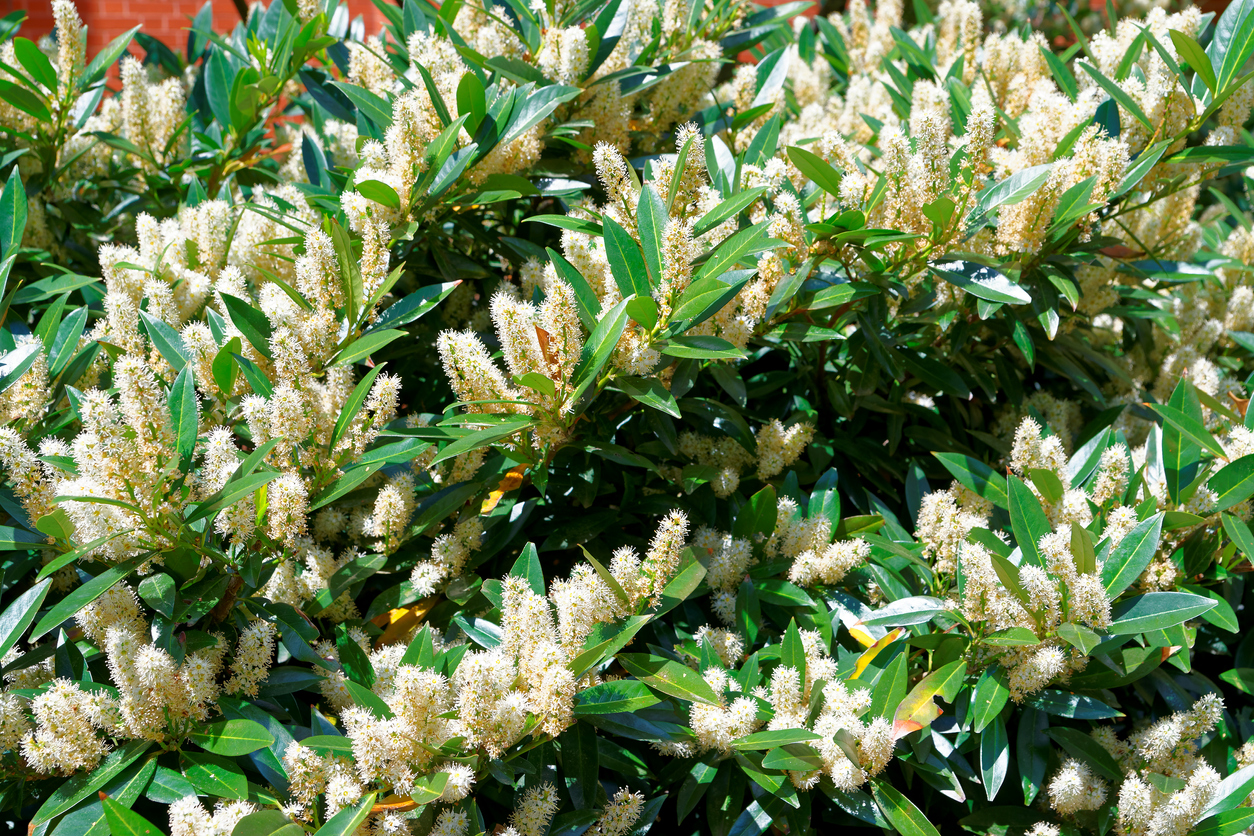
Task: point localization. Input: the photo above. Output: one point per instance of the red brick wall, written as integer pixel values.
(166, 20)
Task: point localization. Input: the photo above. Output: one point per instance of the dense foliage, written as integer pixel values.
(583, 417)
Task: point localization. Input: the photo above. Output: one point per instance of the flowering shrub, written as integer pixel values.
(538, 419)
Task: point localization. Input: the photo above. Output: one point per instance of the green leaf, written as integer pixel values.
(1135, 173)
(1128, 559)
(733, 249)
(758, 515)
(365, 345)
(626, 261)
(427, 789)
(472, 99)
(251, 322)
(704, 298)
(917, 609)
(989, 697)
(536, 108)
(669, 677)
(25, 101)
(651, 221)
(1189, 427)
(614, 697)
(224, 369)
(729, 208)
(937, 375)
(233, 738)
(158, 591)
(650, 392)
(600, 344)
(1047, 483)
(1180, 456)
(689, 576)
(106, 57)
(527, 566)
(125, 822)
(702, 347)
(1240, 678)
(483, 438)
(580, 225)
(1012, 637)
(1014, 189)
(983, 282)
(1157, 611)
(375, 108)
(19, 614)
(586, 299)
(792, 652)
(167, 341)
(906, 818)
(994, 757)
(215, 776)
(379, 192)
(606, 640)
(1082, 747)
(268, 823)
(1239, 533)
(65, 343)
(1193, 54)
(85, 784)
(16, 363)
(184, 417)
(977, 477)
(347, 820)
(84, 595)
(232, 492)
(1229, 823)
(330, 744)
(793, 756)
(840, 294)
(1062, 75)
(1118, 94)
(353, 405)
(772, 739)
(1232, 44)
(1222, 616)
(1079, 637)
(57, 524)
(1231, 792)
(13, 210)
(1027, 521)
(816, 168)
(696, 783)
(413, 306)
(1234, 483)
(35, 63)
(890, 688)
(1075, 706)
(1208, 155)
(353, 659)
(581, 762)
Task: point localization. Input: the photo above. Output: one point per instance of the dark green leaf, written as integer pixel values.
(1157, 611)
(669, 677)
(232, 738)
(251, 322)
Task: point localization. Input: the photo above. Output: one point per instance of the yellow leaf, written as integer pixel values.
(918, 709)
(512, 481)
(395, 803)
(399, 622)
(860, 633)
(874, 650)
